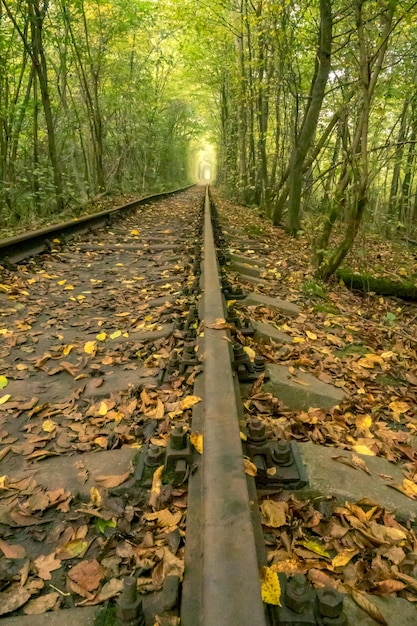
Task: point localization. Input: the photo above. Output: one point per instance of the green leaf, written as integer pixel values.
(3, 382)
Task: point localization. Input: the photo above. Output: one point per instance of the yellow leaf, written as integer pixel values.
(116, 334)
(134, 232)
(270, 587)
(197, 441)
(69, 288)
(101, 336)
(410, 488)
(61, 282)
(250, 468)
(189, 401)
(3, 382)
(102, 411)
(343, 558)
(67, 349)
(298, 340)
(370, 360)
(90, 347)
(363, 449)
(124, 314)
(3, 482)
(119, 264)
(399, 407)
(311, 336)
(56, 240)
(315, 547)
(364, 422)
(156, 486)
(251, 353)
(243, 436)
(5, 398)
(275, 513)
(95, 497)
(48, 426)
(72, 549)
(101, 441)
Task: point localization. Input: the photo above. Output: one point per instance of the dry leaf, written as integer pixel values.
(42, 604)
(156, 486)
(369, 607)
(219, 324)
(87, 574)
(45, 564)
(270, 587)
(344, 557)
(250, 468)
(188, 402)
(363, 449)
(12, 551)
(72, 549)
(90, 347)
(165, 518)
(274, 513)
(196, 440)
(13, 599)
(109, 482)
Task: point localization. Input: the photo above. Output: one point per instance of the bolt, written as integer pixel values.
(298, 595)
(330, 602)
(154, 456)
(173, 363)
(239, 353)
(129, 605)
(256, 431)
(178, 438)
(282, 453)
(259, 364)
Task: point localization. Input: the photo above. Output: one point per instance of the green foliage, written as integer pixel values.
(314, 288)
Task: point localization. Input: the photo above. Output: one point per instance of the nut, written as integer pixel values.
(330, 602)
(298, 595)
(256, 431)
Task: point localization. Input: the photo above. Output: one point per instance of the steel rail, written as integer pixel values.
(20, 247)
(230, 591)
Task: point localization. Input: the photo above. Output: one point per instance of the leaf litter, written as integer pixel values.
(68, 349)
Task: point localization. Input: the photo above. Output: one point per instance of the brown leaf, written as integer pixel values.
(165, 518)
(109, 482)
(13, 599)
(108, 591)
(385, 587)
(42, 604)
(250, 468)
(87, 574)
(274, 513)
(12, 551)
(369, 607)
(45, 564)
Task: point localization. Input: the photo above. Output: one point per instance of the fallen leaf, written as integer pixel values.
(116, 334)
(72, 549)
(196, 440)
(311, 335)
(219, 324)
(165, 518)
(251, 353)
(360, 463)
(45, 564)
(408, 488)
(344, 557)
(270, 587)
(87, 574)
(250, 468)
(274, 513)
(5, 398)
(3, 382)
(45, 603)
(109, 482)
(48, 425)
(156, 487)
(101, 336)
(363, 449)
(370, 360)
(369, 607)
(90, 347)
(188, 402)
(111, 589)
(386, 587)
(13, 599)
(315, 547)
(398, 408)
(12, 551)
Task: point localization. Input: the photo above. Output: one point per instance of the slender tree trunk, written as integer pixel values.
(311, 117)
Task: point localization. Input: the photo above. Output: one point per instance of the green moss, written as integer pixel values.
(383, 286)
(388, 381)
(326, 308)
(106, 616)
(314, 288)
(252, 229)
(352, 348)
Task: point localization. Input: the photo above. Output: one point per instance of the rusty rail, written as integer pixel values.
(20, 247)
(230, 586)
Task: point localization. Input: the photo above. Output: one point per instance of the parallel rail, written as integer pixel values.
(16, 249)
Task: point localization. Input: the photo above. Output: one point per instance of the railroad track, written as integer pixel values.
(126, 361)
